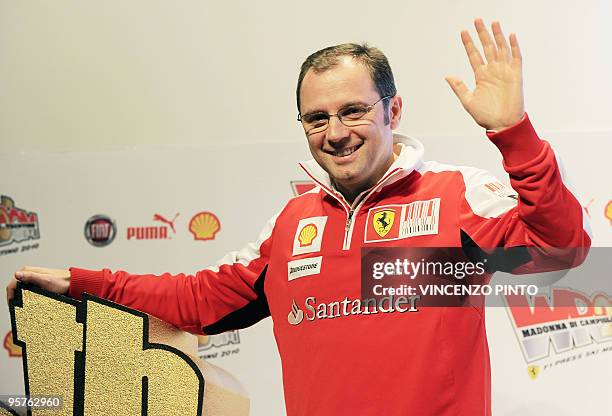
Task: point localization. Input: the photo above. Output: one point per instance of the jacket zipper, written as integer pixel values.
(350, 219)
(348, 230)
(350, 211)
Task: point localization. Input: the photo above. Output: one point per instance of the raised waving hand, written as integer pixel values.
(497, 99)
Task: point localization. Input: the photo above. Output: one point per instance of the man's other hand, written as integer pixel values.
(54, 280)
(497, 100)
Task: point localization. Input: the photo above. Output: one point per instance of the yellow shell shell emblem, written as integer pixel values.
(609, 212)
(308, 233)
(204, 226)
(383, 221)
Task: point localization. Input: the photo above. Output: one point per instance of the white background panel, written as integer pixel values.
(142, 107)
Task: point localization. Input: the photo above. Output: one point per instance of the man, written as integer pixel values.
(338, 356)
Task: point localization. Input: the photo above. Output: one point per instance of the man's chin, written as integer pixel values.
(344, 179)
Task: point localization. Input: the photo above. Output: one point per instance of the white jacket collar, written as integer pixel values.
(409, 159)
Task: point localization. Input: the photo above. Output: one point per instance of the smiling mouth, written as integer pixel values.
(345, 152)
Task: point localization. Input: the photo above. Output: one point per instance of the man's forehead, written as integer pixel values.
(348, 81)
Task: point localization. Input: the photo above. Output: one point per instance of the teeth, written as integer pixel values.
(345, 152)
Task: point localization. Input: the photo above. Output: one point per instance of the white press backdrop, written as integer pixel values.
(139, 108)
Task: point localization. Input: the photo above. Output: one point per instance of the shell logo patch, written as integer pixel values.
(395, 222)
(608, 212)
(309, 235)
(383, 221)
(204, 226)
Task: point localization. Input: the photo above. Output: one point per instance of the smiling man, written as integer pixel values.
(355, 145)
(341, 354)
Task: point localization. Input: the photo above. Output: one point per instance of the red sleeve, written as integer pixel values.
(214, 300)
(539, 211)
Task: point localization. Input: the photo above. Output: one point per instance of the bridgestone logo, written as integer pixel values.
(304, 267)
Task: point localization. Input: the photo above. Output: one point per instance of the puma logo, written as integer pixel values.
(160, 218)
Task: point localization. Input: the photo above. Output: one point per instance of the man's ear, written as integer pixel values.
(395, 111)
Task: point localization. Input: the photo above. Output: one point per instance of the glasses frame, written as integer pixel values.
(368, 108)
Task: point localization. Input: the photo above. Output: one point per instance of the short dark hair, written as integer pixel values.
(374, 60)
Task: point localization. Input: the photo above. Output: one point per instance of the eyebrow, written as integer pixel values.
(348, 104)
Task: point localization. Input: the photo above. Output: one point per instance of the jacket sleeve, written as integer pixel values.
(227, 296)
(539, 213)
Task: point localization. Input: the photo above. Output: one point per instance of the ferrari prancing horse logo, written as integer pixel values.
(534, 371)
(383, 221)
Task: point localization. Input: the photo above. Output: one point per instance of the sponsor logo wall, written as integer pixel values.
(142, 220)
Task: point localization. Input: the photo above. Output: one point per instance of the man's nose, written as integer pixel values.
(336, 130)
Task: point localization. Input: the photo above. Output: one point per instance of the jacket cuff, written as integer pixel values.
(518, 144)
(82, 280)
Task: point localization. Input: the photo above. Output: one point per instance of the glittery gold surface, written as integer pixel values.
(52, 335)
(115, 364)
(4, 412)
(116, 359)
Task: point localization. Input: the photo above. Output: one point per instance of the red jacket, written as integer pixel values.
(304, 271)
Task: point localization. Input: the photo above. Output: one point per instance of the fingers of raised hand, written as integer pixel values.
(472, 52)
(497, 50)
(460, 89)
(517, 57)
(489, 48)
(503, 51)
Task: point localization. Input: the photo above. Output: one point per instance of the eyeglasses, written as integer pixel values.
(349, 116)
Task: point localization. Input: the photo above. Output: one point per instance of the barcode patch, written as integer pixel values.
(394, 222)
(420, 218)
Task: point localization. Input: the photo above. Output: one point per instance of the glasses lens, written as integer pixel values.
(352, 113)
(315, 122)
